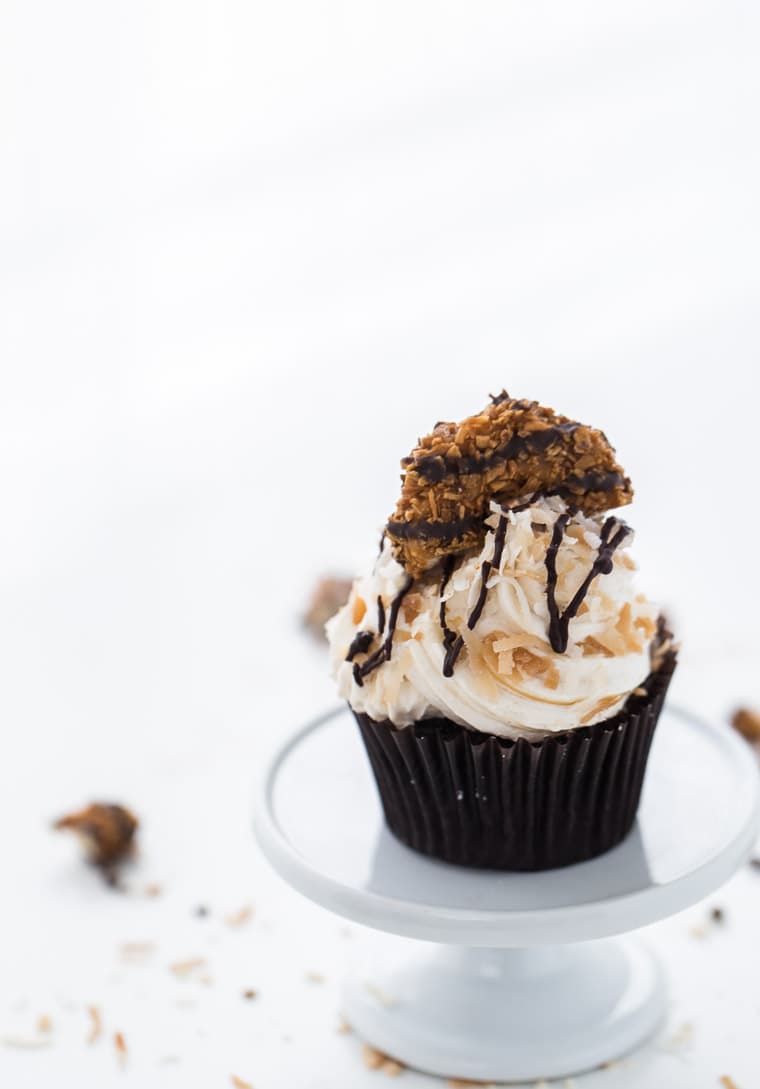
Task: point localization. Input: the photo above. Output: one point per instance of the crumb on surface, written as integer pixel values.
(718, 915)
(314, 977)
(185, 968)
(240, 917)
(107, 832)
(240, 1083)
(465, 1083)
(96, 1024)
(131, 951)
(380, 995)
(250, 993)
(378, 1060)
(329, 594)
(727, 1082)
(343, 1028)
(44, 1023)
(121, 1046)
(153, 890)
(747, 722)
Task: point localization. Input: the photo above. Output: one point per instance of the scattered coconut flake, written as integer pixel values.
(30, 1043)
(377, 1060)
(135, 951)
(377, 993)
(681, 1037)
(44, 1023)
(728, 1083)
(185, 968)
(121, 1047)
(241, 917)
(239, 1083)
(96, 1024)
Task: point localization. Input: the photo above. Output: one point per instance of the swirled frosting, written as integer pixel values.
(507, 678)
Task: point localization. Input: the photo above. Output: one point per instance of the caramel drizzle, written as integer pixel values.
(383, 653)
(559, 623)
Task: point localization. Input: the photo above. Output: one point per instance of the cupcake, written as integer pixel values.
(504, 670)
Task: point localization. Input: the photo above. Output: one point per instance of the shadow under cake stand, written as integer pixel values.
(518, 984)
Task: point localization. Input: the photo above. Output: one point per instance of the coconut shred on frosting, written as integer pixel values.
(539, 631)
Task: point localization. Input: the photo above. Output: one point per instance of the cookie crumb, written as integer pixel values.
(44, 1023)
(465, 1083)
(240, 1083)
(153, 890)
(377, 993)
(728, 1083)
(314, 977)
(329, 595)
(250, 993)
(241, 917)
(747, 722)
(185, 968)
(135, 951)
(718, 915)
(106, 831)
(682, 1036)
(96, 1024)
(121, 1047)
(343, 1028)
(377, 1060)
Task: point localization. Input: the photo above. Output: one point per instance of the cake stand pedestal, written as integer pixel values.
(518, 984)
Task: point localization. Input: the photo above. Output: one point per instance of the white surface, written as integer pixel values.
(496, 1015)
(221, 221)
(541, 1009)
(319, 821)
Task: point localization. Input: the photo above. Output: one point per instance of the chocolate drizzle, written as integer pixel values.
(434, 467)
(498, 548)
(559, 623)
(434, 531)
(453, 642)
(360, 644)
(383, 653)
(380, 615)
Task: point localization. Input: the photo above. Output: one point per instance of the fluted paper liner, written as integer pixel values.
(478, 800)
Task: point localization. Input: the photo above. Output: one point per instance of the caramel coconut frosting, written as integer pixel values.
(504, 596)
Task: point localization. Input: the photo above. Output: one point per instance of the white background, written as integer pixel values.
(248, 253)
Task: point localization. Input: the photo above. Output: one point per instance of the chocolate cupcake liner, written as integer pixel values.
(482, 801)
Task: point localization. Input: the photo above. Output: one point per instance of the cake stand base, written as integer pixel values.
(508, 1014)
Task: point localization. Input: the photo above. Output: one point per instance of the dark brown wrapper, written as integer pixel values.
(483, 801)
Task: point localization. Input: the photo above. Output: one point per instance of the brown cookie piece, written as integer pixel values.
(107, 833)
(511, 450)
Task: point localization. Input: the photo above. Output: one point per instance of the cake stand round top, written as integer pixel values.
(318, 820)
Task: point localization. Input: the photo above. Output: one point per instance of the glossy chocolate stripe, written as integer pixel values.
(434, 467)
(435, 531)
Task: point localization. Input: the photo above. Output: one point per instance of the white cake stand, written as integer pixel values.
(518, 985)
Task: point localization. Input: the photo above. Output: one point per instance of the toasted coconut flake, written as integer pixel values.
(241, 917)
(96, 1024)
(121, 1046)
(240, 1083)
